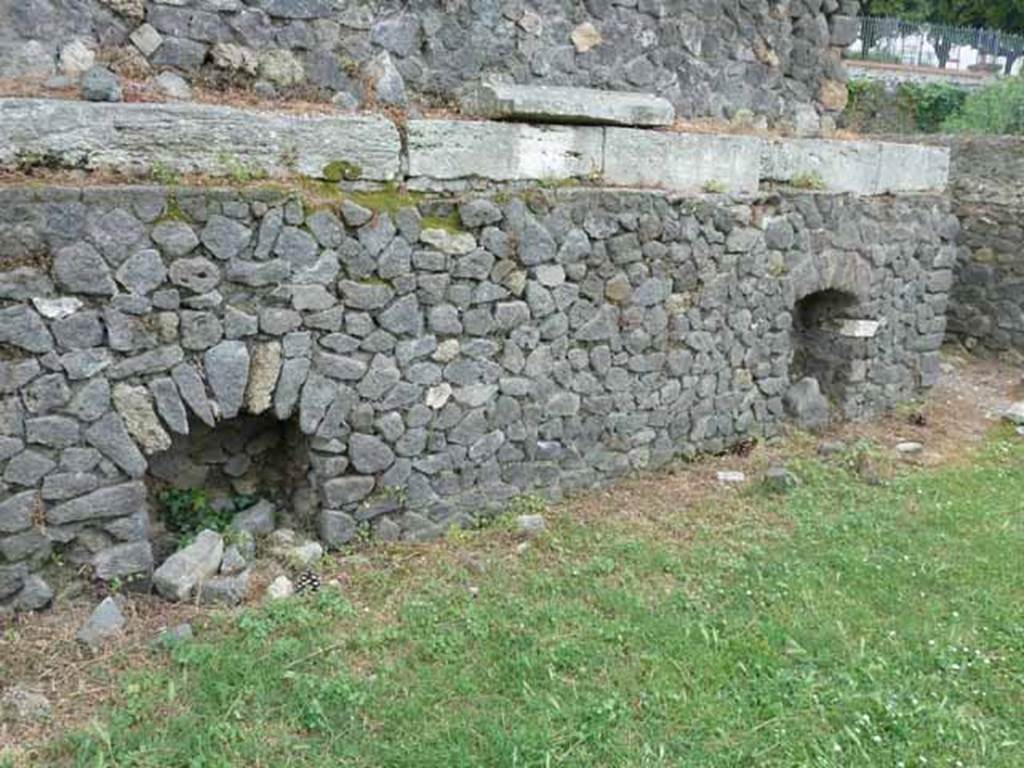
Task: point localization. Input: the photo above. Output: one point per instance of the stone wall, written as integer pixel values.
(778, 59)
(439, 355)
(987, 186)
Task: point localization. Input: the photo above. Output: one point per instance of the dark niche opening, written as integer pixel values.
(821, 349)
(233, 465)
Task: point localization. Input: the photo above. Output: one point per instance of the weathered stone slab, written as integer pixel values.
(858, 167)
(447, 149)
(189, 567)
(196, 138)
(688, 162)
(557, 104)
(116, 501)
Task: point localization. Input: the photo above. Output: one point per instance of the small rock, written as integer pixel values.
(76, 57)
(1015, 413)
(188, 567)
(172, 86)
(106, 621)
(24, 705)
(530, 525)
(280, 588)
(225, 590)
(179, 634)
(909, 448)
(35, 594)
(731, 478)
(780, 479)
(806, 405)
(100, 84)
(306, 554)
(232, 562)
(831, 448)
(257, 519)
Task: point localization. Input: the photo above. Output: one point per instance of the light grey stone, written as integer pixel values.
(180, 574)
(57, 309)
(142, 273)
(369, 454)
(556, 104)
(100, 84)
(16, 511)
(169, 404)
(105, 622)
(682, 161)
(336, 528)
(343, 491)
(22, 327)
(193, 392)
(115, 501)
(68, 485)
(200, 330)
(197, 138)
(198, 274)
(257, 519)
(52, 431)
(110, 437)
(123, 560)
(227, 369)
(443, 149)
(806, 405)
(135, 406)
(224, 237)
(174, 239)
(28, 468)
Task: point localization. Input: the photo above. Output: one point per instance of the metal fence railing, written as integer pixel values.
(936, 45)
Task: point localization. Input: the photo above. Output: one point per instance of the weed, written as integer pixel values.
(811, 181)
(714, 187)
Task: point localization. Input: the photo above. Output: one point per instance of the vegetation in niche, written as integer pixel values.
(239, 172)
(172, 210)
(811, 180)
(163, 174)
(342, 170)
(713, 187)
(994, 109)
(186, 511)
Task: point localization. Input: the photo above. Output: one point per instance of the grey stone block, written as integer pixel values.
(123, 560)
(557, 104)
(443, 149)
(682, 161)
(198, 138)
(180, 574)
(116, 501)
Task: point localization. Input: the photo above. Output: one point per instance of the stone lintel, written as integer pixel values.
(557, 104)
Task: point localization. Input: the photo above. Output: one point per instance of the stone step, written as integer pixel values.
(557, 104)
(195, 138)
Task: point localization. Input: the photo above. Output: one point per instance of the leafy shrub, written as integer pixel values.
(911, 108)
(994, 109)
(186, 511)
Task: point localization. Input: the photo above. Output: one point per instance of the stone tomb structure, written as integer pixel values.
(436, 358)
(409, 324)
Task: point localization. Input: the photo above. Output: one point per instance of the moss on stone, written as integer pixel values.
(388, 199)
(342, 170)
(450, 223)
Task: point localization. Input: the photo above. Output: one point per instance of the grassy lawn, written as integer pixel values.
(842, 624)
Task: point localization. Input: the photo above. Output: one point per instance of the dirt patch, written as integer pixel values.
(39, 651)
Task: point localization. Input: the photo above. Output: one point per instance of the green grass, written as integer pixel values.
(839, 625)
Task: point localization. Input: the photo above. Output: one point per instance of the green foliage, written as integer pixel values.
(714, 187)
(912, 108)
(163, 174)
(994, 109)
(342, 170)
(812, 181)
(839, 625)
(186, 511)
